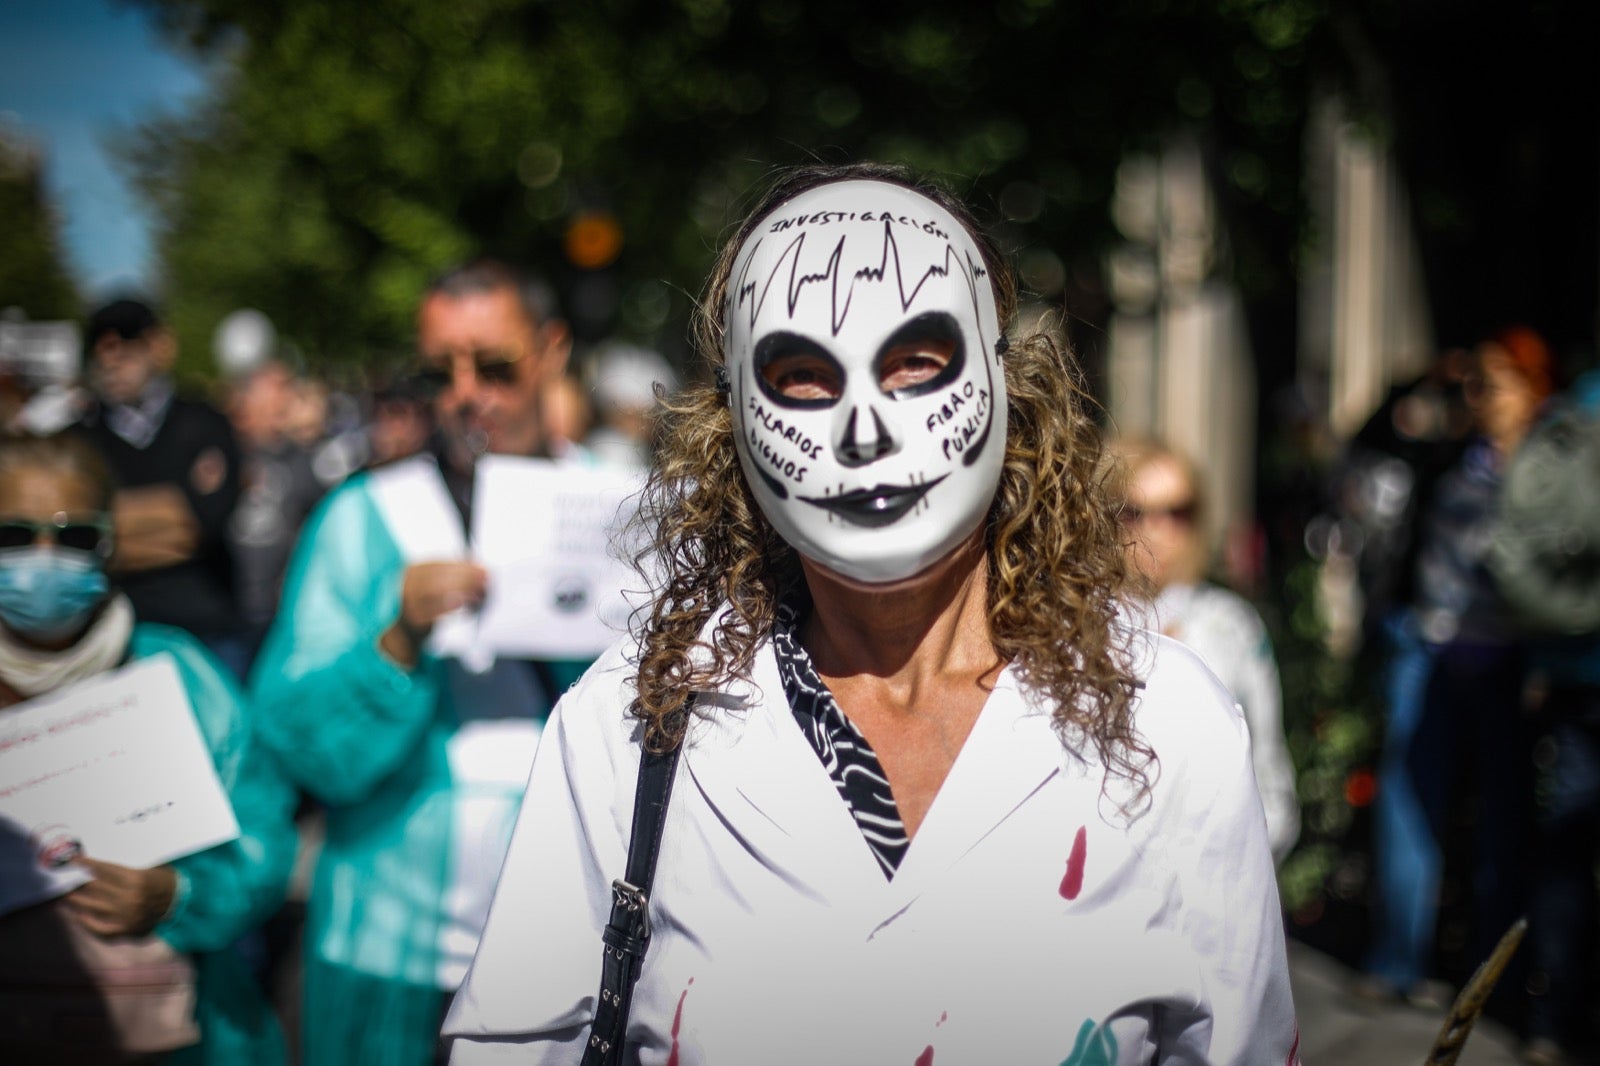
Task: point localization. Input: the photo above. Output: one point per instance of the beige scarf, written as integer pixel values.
(34, 671)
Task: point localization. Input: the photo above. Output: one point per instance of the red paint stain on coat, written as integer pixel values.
(677, 1024)
(944, 1016)
(1294, 1049)
(1072, 883)
(926, 1058)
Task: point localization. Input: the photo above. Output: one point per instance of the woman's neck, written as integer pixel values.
(933, 623)
(910, 665)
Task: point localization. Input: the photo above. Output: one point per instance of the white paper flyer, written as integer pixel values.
(114, 768)
(546, 532)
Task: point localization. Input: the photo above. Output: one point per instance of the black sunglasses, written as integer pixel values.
(79, 533)
(492, 367)
(1183, 513)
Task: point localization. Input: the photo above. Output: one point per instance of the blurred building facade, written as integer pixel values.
(1180, 364)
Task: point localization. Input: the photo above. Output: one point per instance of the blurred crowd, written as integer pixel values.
(1458, 537)
(294, 545)
(302, 545)
(286, 436)
(1465, 515)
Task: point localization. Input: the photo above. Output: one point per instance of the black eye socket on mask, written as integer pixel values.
(923, 355)
(931, 339)
(795, 371)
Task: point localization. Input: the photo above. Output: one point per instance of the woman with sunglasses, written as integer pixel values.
(1166, 547)
(61, 623)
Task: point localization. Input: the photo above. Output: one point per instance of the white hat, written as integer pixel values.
(244, 340)
(625, 375)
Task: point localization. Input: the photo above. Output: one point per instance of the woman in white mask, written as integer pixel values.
(135, 964)
(933, 804)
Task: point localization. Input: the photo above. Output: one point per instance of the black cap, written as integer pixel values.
(128, 319)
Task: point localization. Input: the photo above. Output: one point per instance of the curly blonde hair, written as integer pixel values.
(1054, 548)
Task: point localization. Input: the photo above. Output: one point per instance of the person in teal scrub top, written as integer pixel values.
(416, 744)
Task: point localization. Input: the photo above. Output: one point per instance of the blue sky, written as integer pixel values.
(73, 72)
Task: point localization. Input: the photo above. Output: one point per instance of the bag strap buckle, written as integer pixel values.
(632, 899)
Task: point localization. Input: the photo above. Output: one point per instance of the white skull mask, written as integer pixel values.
(864, 375)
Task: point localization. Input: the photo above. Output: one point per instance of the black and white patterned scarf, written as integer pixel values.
(849, 759)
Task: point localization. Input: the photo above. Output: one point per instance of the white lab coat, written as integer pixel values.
(1029, 923)
(1226, 632)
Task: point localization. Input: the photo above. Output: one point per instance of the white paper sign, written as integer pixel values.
(545, 533)
(114, 768)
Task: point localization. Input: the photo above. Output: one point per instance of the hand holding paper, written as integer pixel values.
(122, 901)
(428, 592)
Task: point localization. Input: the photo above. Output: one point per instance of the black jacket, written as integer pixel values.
(197, 594)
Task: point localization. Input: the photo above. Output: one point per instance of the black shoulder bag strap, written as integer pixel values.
(627, 934)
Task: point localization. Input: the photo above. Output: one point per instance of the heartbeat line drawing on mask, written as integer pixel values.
(888, 262)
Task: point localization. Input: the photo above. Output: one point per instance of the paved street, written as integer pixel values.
(1338, 1031)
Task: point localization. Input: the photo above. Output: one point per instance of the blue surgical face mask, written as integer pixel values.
(48, 593)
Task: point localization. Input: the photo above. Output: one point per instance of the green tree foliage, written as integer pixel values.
(33, 275)
(352, 150)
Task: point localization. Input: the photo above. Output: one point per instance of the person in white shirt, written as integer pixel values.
(1161, 508)
(936, 804)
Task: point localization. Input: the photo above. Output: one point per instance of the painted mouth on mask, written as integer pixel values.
(880, 505)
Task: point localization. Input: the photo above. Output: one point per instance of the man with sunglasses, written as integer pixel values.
(379, 702)
(176, 462)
